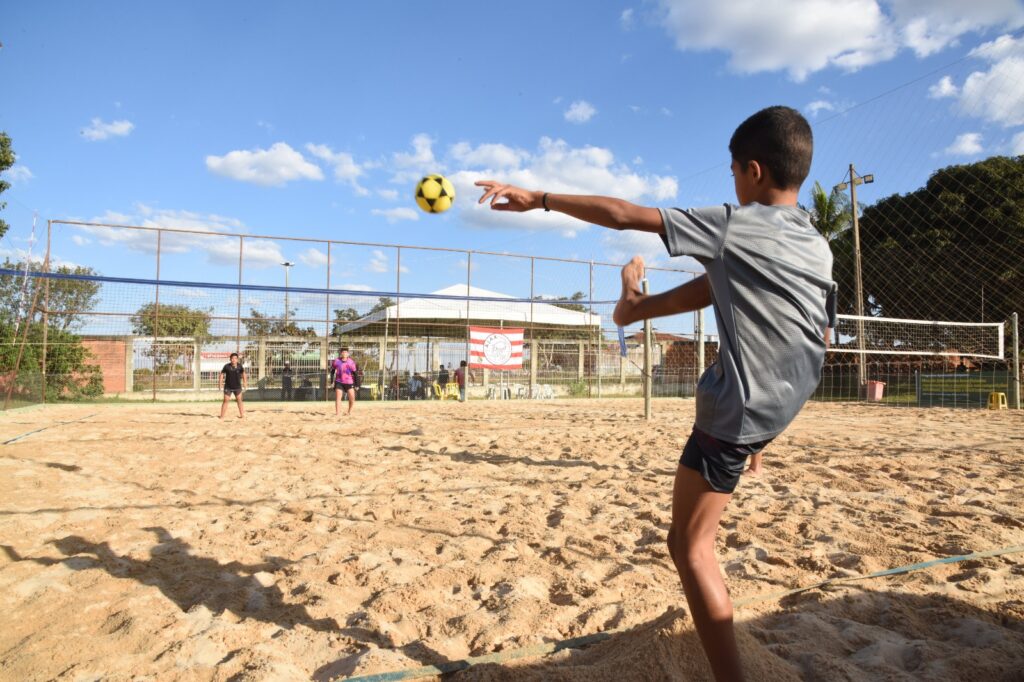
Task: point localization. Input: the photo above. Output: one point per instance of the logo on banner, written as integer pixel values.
(495, 348)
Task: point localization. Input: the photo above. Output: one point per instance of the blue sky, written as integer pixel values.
(315, 119)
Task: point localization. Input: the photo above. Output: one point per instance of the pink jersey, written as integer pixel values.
(344, 371)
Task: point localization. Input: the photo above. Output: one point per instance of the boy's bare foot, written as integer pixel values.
(632, 273)
(751, 471)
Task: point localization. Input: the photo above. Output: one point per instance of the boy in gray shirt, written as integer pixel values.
(769, 278)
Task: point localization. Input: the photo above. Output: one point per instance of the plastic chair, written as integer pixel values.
(997, 401)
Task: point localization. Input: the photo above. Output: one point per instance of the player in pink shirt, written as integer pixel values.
(344, 371)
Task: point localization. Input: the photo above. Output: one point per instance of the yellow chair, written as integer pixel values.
(997, 401)
(437, 391)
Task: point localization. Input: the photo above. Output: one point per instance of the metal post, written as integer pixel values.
(648, 388)
(469, 281)
(597, 358)
(46, 304)
(156, 313)
(398, 319)
(862, 374)
(327, 303)
(238, 313)
(287, 267)
(533, 343)
(1016, 360)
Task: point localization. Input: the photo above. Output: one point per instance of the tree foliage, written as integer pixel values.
(69, 300)
(69, 374)
(830, 211)
(7, 159)
(951, 250)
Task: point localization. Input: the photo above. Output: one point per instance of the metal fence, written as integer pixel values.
(184, 300)
(192, 298)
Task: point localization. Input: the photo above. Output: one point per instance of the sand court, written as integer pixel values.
(157, 542)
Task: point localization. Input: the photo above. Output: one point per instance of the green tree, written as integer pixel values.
(562, 302)
(343, 316)
(171, 321)
(258, 325)
(830, 212)
(7, 159)
(69, 374)
(70, 300)
(382, 303)
(951, 250)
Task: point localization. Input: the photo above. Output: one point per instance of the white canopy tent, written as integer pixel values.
(449, 316)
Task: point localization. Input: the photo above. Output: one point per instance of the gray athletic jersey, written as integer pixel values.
(771, 283)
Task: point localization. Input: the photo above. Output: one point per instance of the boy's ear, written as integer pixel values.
(757, 171)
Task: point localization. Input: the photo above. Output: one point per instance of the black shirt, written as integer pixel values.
(233, 376)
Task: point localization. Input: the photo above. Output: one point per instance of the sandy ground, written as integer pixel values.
(153, 542)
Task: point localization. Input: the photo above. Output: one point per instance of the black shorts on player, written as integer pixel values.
(233, 391)
(338, 386)
(718, 462)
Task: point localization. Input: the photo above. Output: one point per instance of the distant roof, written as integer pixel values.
(515, 312)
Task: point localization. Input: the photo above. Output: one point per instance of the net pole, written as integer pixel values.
(398, 320)
(597, 357)
(533, 345)
(469, 280)
(648, 388)
(1015, 328)
(156, 314)
(327, 303)
(862, 375)
(238, 309)
(46, 305)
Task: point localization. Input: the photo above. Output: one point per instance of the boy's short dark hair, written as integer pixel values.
(779, 138)
(343, 350)
(462, 364)
(233, 355)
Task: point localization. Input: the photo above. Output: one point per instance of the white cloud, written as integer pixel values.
(1017, 144)
(390, 194)
(819, 105)
(378, 262)
(411, 167)
(488, 155)
(944, 88)
(996, 95)
(557, 167)
(929, 26)
(269, 127)
(665, 111)
(805, 36)
(216, 248)
(580, 111)
(16, 174)
(266, 167)
(79, 240)
(356, 287)
(314, 258)
(968, 144)
(627, 19)
(621, 246)
(98, 129)
(346, 170)
(393, 215)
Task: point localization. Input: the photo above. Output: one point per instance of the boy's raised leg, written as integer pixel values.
(632, 273)
(241, 410)
(224, 406)
(696, 511)
(755, 468)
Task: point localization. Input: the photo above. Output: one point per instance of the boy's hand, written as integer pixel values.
(518, 199)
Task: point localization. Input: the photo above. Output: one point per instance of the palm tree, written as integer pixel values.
(830, 213)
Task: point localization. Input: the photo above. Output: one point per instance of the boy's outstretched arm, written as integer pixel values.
(606, 211)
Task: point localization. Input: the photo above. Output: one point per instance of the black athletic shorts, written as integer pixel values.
(720, 463)
(343, 387)
(232, 391)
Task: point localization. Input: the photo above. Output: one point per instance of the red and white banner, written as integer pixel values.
(491, 348)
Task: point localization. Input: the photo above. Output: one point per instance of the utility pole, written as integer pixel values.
(862, 370)
(287, 266)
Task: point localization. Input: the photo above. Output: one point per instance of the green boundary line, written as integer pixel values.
(578, 642)
(44, 428)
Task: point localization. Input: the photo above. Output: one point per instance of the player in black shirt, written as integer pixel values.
(234, 381)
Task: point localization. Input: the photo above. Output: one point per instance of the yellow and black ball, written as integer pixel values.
(434, 194)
